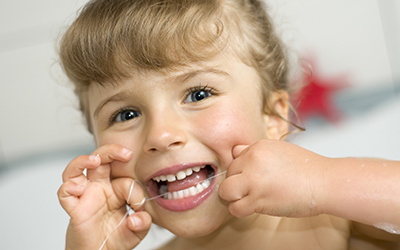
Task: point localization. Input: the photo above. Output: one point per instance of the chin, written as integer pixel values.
(195, 228)
(198, 222)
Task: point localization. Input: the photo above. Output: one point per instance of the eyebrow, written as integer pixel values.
(189, 75)
(114, 98)
(180, 78)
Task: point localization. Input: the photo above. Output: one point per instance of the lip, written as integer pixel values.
(187, 203)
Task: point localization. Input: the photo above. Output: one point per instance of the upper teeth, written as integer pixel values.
(179, 176)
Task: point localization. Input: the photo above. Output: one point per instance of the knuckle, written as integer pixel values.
(60, 190)
(234, 210)
(256, 154)
(65, 173)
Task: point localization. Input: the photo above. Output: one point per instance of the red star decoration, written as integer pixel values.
(317, 97)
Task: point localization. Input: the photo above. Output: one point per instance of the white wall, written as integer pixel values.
(347, 36)
(38, 110)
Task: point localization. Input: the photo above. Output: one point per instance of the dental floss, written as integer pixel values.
(140, 203)
(162, 195)
(130, 192)
(129, 208)
(115, 228)
(128, 212)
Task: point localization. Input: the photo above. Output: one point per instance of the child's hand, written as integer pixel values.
(275, 178)
(96, 204)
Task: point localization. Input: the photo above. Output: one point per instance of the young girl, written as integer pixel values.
(188, 101)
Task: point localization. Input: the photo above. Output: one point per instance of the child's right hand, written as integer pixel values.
(96, 204)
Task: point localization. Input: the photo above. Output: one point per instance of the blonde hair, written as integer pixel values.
(110, 38)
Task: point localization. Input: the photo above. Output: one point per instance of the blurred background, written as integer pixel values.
(353, 107)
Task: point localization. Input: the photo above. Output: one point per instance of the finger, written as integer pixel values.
(129, 190)
(236, 165)
(102, 172)
(233, 188)
(68, 195)
(235, 168)
(113, 152)
(237, 150)
(108, 154)
(140, 223)
(76, 167)
(242, 207)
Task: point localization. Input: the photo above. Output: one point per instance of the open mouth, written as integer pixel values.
(186, 183)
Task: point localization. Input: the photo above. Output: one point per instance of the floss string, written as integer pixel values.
(115, 228)
(162, 195)
(123, 218)
(129, 208)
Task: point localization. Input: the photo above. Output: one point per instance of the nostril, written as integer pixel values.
(169, 147)
(178, 143)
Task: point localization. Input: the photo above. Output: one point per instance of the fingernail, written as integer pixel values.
(126, 151)
(137, 222)
(94, 158)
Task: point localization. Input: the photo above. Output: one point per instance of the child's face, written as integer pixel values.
(179, 120)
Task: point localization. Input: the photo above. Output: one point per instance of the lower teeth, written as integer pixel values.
(185, 192)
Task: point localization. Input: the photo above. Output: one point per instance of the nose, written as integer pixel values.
(164, 132)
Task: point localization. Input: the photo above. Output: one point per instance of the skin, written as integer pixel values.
(271, 196)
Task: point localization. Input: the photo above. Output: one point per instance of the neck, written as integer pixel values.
(244, 233)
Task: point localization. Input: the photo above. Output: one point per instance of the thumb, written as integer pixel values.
(237, 150)
(140, 223)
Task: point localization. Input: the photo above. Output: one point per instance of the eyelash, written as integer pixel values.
(190, 91)
(114, 116)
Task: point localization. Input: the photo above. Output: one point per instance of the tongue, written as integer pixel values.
(189, 181)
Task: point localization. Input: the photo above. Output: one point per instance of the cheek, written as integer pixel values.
(114, 138)
(228, 126)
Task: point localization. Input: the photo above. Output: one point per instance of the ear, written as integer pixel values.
(276, 120)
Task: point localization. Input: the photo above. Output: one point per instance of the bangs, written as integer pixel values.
(109, 39)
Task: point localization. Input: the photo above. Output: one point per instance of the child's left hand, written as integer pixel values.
(275, 178)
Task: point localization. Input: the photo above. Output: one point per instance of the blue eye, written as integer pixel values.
(126, 115)
(198, 95)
